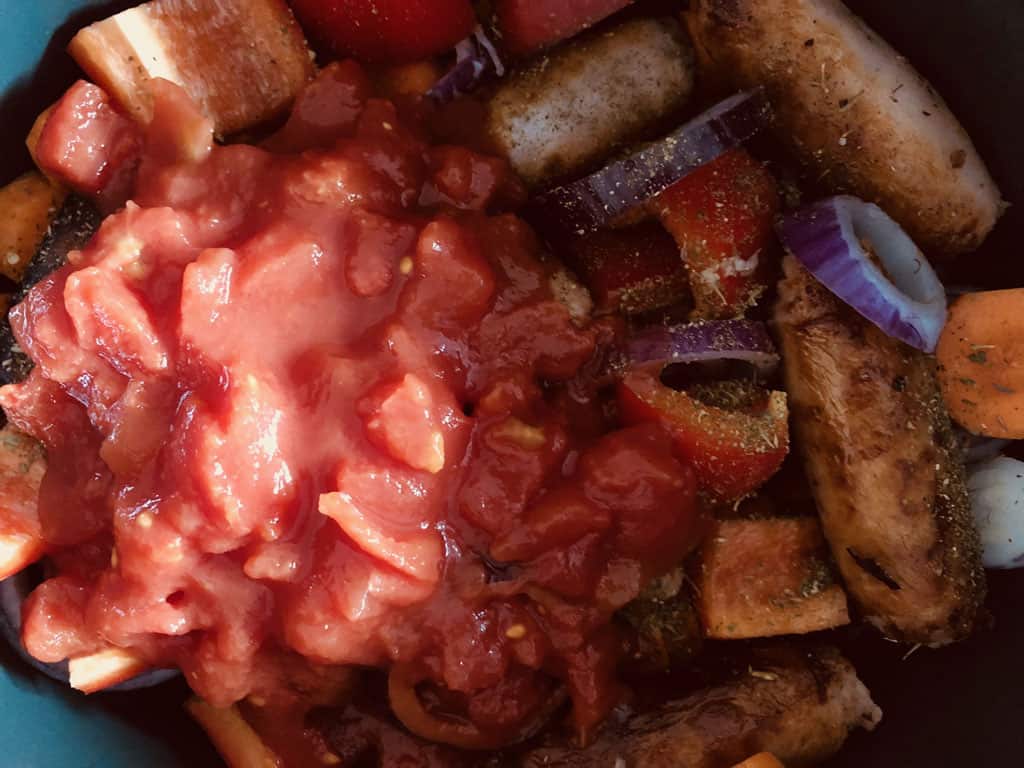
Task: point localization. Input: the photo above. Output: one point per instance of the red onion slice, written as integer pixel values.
(828, 238)
(624, 184)
(13, 592)
(476, 59)
(744, 340)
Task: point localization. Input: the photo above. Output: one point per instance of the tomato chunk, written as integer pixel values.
(721, 217)
(387, 30)
(88, 144)
(733, 452)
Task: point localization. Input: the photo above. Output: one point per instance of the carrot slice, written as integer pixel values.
(981, 363)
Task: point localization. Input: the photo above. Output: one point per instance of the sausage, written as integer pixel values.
(797, 704)
(577, 105)
(883, 465)
(855, 111)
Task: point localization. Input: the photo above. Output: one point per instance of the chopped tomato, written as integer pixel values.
(721, 217)
(387, 30)
(90, 145)
(529, 25)
(631, 270)
(733, 452)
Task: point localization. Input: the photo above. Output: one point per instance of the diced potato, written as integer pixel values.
(242, 62)
(103, 669)
(762, 578)
(22, 465)
(28, 203)
(234, 738)
(763, 760)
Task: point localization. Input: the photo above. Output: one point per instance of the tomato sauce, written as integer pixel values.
(311, 400)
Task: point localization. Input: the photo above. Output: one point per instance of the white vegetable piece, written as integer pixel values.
(997, 498)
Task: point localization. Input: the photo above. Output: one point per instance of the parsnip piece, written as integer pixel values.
(234, 738)
(103, 669)
(242, 61)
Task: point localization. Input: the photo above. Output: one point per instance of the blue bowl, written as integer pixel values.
(42, 723)
(956, 708)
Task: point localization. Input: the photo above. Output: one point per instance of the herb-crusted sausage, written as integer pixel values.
(855, 111)
(883, 465)
(797, 704)
(577, 105)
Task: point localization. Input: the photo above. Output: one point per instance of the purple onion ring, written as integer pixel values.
(835, 240)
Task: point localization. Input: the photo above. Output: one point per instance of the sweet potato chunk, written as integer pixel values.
(28, 203)
(763, 760)
(242, 62)
(22, 466)
(762, 578)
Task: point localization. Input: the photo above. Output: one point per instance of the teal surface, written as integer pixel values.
(26, 27)
(41, 725)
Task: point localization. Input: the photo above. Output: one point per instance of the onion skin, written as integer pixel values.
(625, 184)
(855, 112)
(743, 340)
(907, 301)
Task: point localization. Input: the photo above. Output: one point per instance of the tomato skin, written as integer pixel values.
(733, 453)
(529, 25)
(387, 31)
(721, 217)
(631, 270)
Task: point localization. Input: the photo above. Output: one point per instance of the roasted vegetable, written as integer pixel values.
(71, 229)
(26, 206)
(242, 63)
(762, 578)
(666, 630)
(22, 466)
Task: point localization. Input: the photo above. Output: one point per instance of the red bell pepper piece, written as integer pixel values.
(387, 31)
(631, 270)
(529, 25)
(733, 452)
(722, 216)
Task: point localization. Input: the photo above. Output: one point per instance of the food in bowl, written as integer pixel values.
(426, 415)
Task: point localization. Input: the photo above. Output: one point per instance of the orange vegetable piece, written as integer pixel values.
(765, 578)
(981, 363)
(763, 760)
(28, 203)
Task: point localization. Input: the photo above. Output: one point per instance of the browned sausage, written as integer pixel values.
(882, 462)
(799, 705)
(853, 109)
(580, 103)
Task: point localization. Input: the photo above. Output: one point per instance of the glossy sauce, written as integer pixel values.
(309, 399)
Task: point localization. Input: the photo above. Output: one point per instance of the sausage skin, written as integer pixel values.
(800, 705)
(855, 111)
(883, 465)
(580, 103)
